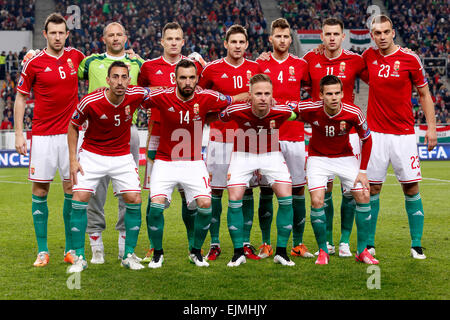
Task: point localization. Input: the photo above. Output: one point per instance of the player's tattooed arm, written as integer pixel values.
(19, 111)
(72, 141)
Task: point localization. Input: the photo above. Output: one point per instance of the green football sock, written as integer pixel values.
(265, 215)
(414, 209)
(235, 221)
(67, 210)
(298, 228)
(318, 222)
(347, 218)
(216, 207)
(329, 213)
(146, 221)
(284, 221)
(248, 208)
(155, 225)
(132, 226)
(202, 224)
(189, 217)
(78, 225)
(374, 209)
(39, 209)
(363, 221)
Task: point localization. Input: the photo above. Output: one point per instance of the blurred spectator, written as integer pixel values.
(309, 14)
(204, 24)
(6, 124)
(17, 14)
(2, 65)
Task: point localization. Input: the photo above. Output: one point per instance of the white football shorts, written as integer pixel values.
(48, 154)
(271, 165)
(191, 176)
(319, 169)
(400, 151)
(217, 161)
(122, 170)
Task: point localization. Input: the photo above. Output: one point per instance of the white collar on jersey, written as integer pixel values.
(340, 53)
(279, 61)
(332, 115)
(115, 58)
(390, 54)
(114, 105)
(172, 64)
(232, 65)
(56, 57)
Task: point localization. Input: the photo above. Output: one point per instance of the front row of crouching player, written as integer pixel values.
(185, 108)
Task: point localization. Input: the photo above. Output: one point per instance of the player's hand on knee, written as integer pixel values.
(75, 167)
(362, 178)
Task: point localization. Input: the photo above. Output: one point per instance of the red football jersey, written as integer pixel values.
(54, 82)
(108, 132)
(330, 134)
(182, 121)
(159, 72)
(346, 67)
(222, 76)
(286, 77)
(254, 134)
(391, 80)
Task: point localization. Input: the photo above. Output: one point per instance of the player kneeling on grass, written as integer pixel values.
(256, 148)
(106, 152)
(330, 153)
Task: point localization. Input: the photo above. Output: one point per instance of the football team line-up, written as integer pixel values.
(256, 140)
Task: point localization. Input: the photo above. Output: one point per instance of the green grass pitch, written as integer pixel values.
(398, 276)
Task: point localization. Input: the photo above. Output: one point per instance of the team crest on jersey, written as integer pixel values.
(32, 170)
(291, 71)
(127, 110)
(196, 110)
(342, 128)
(396, 69)
(249, 74)
(71, 66)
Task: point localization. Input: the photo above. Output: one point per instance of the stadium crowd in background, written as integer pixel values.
(17, 15)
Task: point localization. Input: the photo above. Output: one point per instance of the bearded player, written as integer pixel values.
(160, 73)
(287, 73)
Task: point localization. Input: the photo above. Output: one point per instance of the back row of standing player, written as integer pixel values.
(230, 75)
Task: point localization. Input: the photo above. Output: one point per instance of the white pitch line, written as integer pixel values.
(424, 178)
